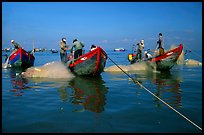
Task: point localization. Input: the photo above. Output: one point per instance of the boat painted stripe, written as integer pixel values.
(176, 50)
(84, 58)
(97, 62)
(13, 55)
(20, 50)
(14, 59)
(169, 53)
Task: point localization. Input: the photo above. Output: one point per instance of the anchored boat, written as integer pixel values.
(89, 64)
(21, 58)
(119, 49)
(162, 62)
(54, 51)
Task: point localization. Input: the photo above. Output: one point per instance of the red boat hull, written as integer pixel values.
(21, 58)
(90, 64)
(168, 59)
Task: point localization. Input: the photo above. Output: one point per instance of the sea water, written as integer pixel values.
(109, 103)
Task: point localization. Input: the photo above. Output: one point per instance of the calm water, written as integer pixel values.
(108, 103)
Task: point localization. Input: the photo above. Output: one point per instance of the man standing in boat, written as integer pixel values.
(78, 48)
(160, 44)
(63, 49)
(16, 45)
(139, 50)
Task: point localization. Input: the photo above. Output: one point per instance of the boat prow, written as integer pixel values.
(21, 58)
(167, 60)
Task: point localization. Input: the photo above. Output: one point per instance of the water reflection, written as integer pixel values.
(18, 83)
(167, 87)
(89, 92)
(64, 96)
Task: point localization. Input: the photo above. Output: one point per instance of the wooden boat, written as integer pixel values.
(162, 62)
(89, 64)
(21, 58)
(54, 51)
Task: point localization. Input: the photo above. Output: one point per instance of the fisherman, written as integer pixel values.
(6, 57)
(63, 48)
(160, 44)
(78, 46)
(16, 45)
(93, 47)
(139, 50)
(147, 55)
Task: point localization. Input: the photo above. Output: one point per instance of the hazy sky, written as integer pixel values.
(108, 24)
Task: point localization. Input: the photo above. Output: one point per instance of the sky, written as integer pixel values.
(107, 24)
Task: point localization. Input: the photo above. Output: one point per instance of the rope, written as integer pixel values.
(194, 52)
(137, 82)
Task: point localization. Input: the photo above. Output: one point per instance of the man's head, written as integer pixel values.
(12, 41)
(64, 39)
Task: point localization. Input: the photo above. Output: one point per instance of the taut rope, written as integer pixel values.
(137, 82)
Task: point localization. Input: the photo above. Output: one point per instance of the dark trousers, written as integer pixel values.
(63, 57)
(139, 54)
(77, 53)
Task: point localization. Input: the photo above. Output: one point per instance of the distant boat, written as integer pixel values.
(54, 51)
(119, 49)
(37, 49)
(7, 49)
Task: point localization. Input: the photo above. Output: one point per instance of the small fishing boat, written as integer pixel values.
(7, 49)
(162, 62)
(89, 64)
(54, 51)
(21, 58)
(119, 49)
